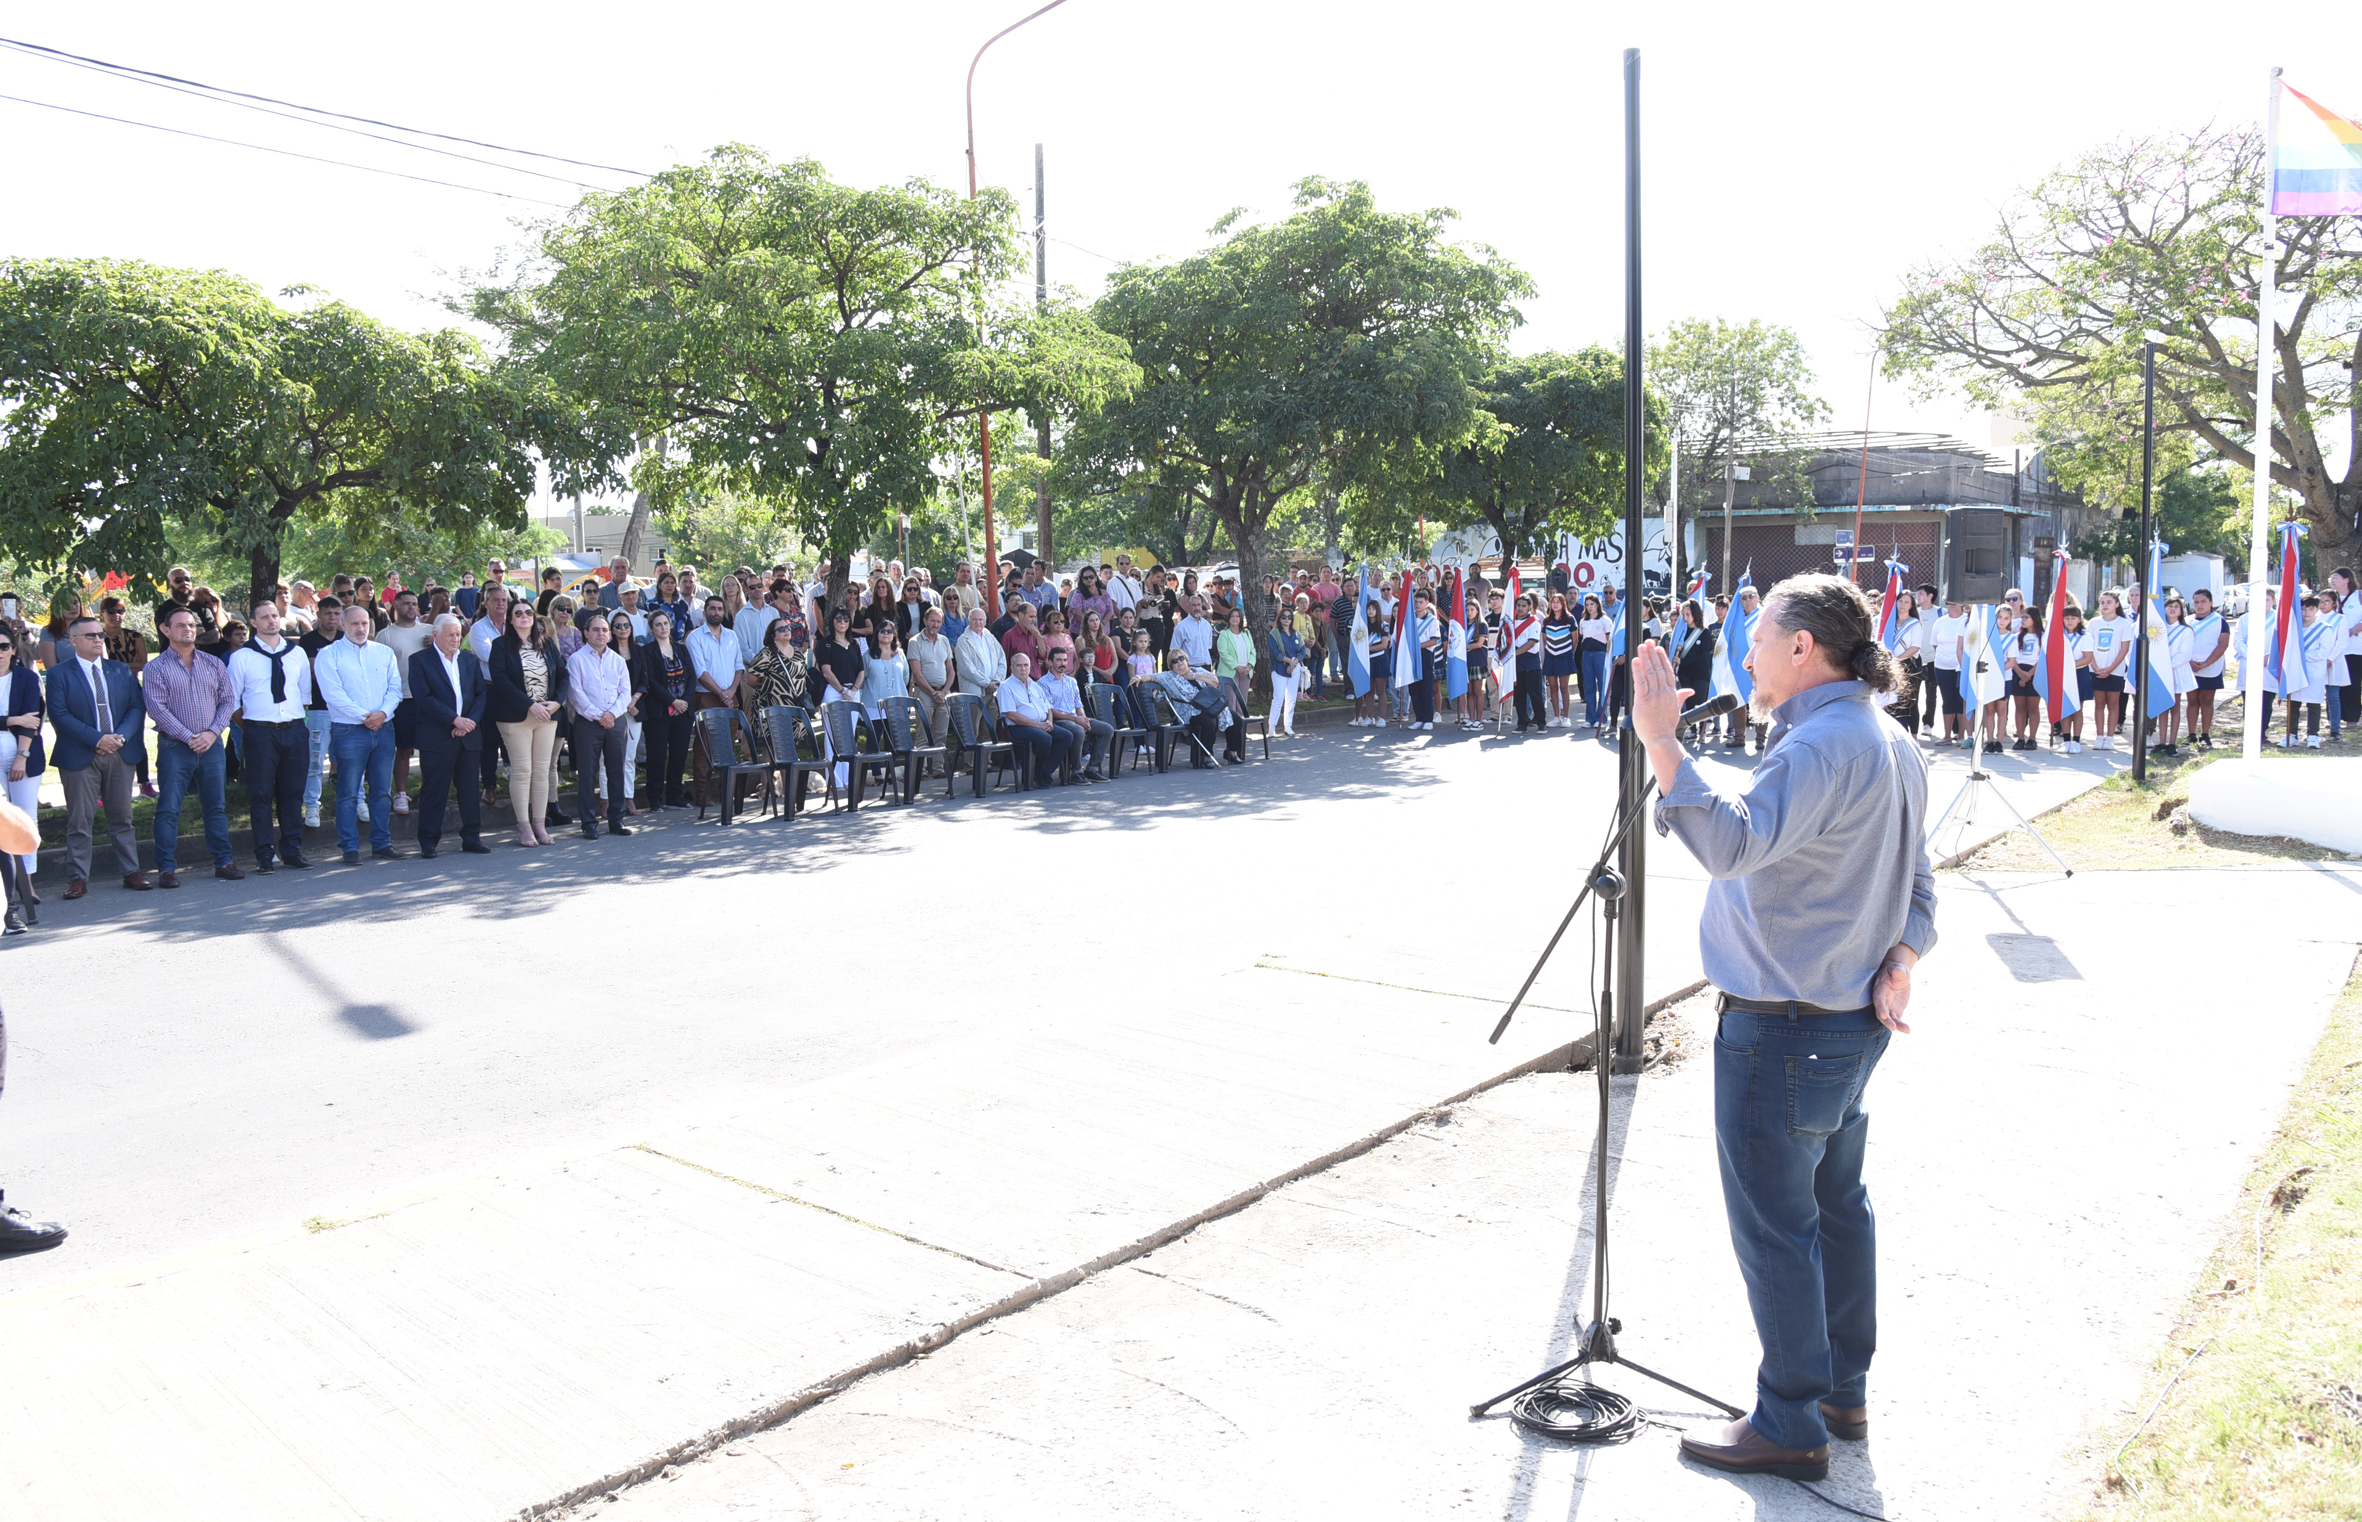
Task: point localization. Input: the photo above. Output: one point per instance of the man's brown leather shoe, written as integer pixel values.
(1741, 1450)
(1849, 1422)
(233, 872)
(164, 879)
(137, 882)
(76, 889)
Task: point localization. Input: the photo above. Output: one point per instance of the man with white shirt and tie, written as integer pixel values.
(599, 689)
(96, 708)
(358, 680)
(273, 684)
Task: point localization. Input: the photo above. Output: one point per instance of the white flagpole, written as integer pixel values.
(1673, 526)
(2251, 662)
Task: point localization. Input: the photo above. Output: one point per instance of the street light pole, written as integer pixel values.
(992, 548)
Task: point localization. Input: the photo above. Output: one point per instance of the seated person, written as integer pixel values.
(1092, 736)
(1197, 699)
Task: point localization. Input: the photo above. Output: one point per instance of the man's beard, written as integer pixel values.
(1758, 711)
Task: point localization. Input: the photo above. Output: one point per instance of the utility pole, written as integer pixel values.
(1041, 302)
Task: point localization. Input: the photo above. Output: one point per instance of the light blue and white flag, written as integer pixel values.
(1984, 659)
(1357, 655)
(1730, 651)
(2161, 693)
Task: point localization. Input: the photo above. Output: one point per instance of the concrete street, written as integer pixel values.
(991, 1046)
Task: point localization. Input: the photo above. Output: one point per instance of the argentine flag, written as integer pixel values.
(1895, 608)
(2161, 693)
(1407, 653)
(2054, 674)
(1455, 642)
(1986, 648)
(2293, 677)
(1357, 655)
(1730, 653)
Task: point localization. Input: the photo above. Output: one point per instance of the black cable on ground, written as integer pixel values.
(1576, 1411)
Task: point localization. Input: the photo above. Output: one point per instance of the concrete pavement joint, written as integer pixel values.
(1441, 993)
(949, 1252)
(1570, 1055)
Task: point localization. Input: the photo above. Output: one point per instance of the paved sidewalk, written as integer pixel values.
(2052, 1150)
(546, 1329)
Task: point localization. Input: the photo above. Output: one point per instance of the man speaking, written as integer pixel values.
(1822, 900)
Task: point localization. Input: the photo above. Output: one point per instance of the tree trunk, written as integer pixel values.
(636, 530)
(262, 576)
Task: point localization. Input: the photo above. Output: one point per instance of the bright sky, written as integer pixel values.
(1798, 160)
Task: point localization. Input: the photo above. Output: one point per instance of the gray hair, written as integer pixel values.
(453, 619)
(1839, 618)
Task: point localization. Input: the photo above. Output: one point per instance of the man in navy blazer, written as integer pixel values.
(447, 685)
(101, 719)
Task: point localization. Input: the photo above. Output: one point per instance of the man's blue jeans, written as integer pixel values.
(1790, 1128)
(364, 754)
(176, 767)
(315, 723)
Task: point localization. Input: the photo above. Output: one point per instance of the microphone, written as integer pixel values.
(1712, 708)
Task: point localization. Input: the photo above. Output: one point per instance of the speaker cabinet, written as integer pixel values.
(1976, 555)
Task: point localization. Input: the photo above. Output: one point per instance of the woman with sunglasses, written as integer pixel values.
(528, 690)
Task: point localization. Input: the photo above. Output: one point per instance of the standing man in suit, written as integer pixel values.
(447, 683)
(96, 708)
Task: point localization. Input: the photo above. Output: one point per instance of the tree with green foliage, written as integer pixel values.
(1314, 349)
(798, 342)
(2198, 511)
(2154, 234)
(1547, 454)
(1728, 388)
(136, 397)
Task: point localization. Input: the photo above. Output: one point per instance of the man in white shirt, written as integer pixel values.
(934, 672)
(599, 690)
(981, 664)
(362, 689)
(754, 621)
(1092, 736)
(302, 609)
(715, 666)
(1193, 636)
(405, 636)
(273, 684)
(1124, 587)
(1036, 736)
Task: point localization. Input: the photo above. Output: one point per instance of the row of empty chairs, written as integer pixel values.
(783, 749)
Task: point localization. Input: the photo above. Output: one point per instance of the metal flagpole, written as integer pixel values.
(1673, 523)
(1631, 756)
(2251, 662)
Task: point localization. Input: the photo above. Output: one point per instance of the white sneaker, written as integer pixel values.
(401, 803)
(311, 817)
(2312, 742)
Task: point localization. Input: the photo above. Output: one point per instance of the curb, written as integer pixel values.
(1570, 1055)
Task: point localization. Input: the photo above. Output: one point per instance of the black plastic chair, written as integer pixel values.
(719, 733)
(972, 727)
(1155, 720)
(909, 736)
(1109, 707)
(1161, 704)
(795, 754)
(853, 744)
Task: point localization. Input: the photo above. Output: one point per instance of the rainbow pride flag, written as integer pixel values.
(2317, 171)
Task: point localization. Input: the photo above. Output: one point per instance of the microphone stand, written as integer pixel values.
(1604, 882)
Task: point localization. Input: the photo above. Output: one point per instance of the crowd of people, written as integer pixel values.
(487, 692)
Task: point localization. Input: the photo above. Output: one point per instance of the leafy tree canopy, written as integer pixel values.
(1727, 387)
(797, 341)
(138, 397)
(2153, 234)
(1319, 347)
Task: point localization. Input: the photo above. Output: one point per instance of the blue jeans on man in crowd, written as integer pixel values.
(364, 755)
(1790, 1129)
(176, 767)
(315, 723)
(1594, 680)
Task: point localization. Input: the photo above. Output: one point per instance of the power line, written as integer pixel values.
(283, 152)
(200, 94)
(370, 121)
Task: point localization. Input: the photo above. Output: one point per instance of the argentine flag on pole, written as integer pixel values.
(1504, 664)
(2054, 673)
(1406, 635)
(1730, 653)
(2161, 693)
(1984, 670)
(1455, 641)
(1357, 654)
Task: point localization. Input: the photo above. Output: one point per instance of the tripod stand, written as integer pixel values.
(1598, 1341)
(1963, 807)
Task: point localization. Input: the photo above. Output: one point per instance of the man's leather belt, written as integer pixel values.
(1789, 1009)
